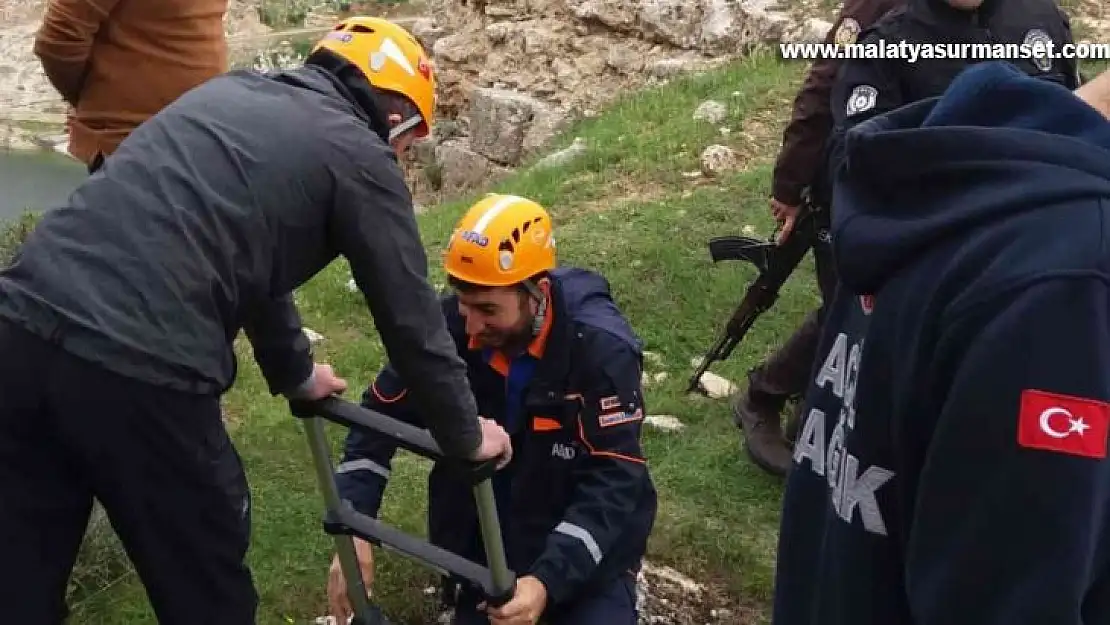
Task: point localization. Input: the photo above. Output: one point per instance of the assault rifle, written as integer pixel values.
(775, 264)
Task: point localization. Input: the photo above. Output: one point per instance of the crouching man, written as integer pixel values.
(552, 359)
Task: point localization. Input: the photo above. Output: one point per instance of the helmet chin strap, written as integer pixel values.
(541, 315)
(404, 127)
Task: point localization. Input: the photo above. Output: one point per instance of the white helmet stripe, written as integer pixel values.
(494, 211)
(390, 51)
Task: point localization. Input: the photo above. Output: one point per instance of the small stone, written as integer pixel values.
(711, 111)
(715, 386)
(665, 422)
(564, 156)
(716, 159)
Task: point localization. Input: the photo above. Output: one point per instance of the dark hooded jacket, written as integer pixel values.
(206, 219)
(577, 502)
(870, 86)
(952, 467)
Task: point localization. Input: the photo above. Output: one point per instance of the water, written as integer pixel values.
(36, 181)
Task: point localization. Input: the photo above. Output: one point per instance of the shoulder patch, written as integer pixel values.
(618, 417)
(1039, 45)
(1063, 423)
(847, 32)
(609, 403)
(862, 99)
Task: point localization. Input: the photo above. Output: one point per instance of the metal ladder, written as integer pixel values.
(342, 522)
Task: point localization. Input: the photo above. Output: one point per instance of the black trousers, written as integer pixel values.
(785, 375)
(161, 464)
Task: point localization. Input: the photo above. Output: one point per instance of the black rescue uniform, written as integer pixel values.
(577, 503)
(117, 319)
(866, 87)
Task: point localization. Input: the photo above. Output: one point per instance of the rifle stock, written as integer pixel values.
(774, 263)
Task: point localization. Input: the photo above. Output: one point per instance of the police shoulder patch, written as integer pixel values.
(862, 99)
(847, 32)
(1039, 45)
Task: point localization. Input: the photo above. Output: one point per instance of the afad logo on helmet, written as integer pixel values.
(340, 36)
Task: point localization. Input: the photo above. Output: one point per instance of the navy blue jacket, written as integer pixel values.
(952, 467)
(579, 497)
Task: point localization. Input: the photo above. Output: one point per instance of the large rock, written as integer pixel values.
(427, 31)
(507, 126)
(711, 26)
(457, 48)
(460, 168)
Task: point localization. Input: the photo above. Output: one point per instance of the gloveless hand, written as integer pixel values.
(526, 606)
(324, 382)
(786, 215)
(339, 604)
(495, 443)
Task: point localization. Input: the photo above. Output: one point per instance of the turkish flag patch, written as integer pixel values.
(1063, 423)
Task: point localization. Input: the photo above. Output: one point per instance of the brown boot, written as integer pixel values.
(762, 434)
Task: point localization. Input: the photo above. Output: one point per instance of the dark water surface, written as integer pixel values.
(36, 181)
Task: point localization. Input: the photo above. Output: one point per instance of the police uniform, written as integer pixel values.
(872, 86)
(577, 502)
(800, 168)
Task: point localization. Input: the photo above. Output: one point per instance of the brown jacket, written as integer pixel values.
(803, 142)
(117, 62)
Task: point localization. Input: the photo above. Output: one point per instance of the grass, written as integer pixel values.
(627, 210)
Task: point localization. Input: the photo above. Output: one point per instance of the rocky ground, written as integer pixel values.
(512, 72)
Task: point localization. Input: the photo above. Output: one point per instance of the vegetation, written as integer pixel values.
(292, 13)
(629, 208)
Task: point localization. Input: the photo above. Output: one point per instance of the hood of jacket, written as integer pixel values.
(996, 144)
(586, 297)
(327, 73)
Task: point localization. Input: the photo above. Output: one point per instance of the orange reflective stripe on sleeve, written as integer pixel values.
(382, 398)
(598, 452)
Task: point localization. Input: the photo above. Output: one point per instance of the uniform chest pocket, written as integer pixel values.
(551, 431)
(552, 449)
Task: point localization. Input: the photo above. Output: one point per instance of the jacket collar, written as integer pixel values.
(343, 78)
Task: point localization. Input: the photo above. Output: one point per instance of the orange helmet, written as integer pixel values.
(391, 59)
(501, 241)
